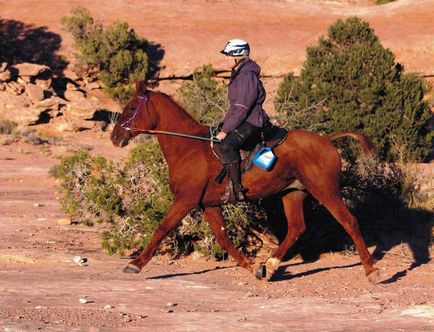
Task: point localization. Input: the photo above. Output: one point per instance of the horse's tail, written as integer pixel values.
(368, 146)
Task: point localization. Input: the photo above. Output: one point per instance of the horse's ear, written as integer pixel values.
(140, 87)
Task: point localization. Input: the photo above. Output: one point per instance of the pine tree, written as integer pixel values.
(355, 84)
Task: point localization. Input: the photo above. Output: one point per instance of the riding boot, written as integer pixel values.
(236, 189)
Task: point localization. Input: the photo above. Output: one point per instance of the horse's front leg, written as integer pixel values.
(177, 211)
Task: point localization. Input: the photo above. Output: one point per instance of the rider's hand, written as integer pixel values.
(221, 136)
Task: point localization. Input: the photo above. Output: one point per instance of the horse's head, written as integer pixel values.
(134, 119)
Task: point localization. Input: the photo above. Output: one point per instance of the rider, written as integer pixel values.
(245, 116)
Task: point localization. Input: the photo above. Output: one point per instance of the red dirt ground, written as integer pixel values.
(40, 285)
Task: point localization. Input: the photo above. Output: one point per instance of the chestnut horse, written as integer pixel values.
(306, 161)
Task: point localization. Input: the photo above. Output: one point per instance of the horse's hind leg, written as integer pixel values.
(341, 213)
(293, 205)
(214, 217)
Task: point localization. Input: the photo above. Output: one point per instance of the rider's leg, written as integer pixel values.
(231, 159)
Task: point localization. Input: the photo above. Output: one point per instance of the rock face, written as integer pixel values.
(30, 70)
(26, 91)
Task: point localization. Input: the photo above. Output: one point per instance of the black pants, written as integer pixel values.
(234, 140)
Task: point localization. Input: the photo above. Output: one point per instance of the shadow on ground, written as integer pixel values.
(385, 226)
(20, 42)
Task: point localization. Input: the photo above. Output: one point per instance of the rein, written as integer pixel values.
(171, 133)
(145, 98)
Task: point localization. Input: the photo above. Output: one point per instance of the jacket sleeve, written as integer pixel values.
(246, 94)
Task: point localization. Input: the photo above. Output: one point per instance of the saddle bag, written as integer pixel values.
(265, 158)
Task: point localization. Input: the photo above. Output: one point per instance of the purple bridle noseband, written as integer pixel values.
(126, 124)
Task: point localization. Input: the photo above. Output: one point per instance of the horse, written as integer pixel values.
(307, 164)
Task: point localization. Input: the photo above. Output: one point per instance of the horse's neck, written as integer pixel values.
(171, 117)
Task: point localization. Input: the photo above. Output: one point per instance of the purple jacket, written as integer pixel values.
(246, 96)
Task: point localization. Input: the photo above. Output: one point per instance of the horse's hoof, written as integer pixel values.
(131, 269)
(271, 265)
(374, 276)
(261, 271)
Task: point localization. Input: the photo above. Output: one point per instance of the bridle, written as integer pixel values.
(143, 99)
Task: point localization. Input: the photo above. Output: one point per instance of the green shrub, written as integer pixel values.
(383, 2)
(205, 97)
(91, 188)
(116, 53)
(351, 82)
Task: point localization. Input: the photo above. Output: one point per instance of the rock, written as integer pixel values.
(63, 125)
(74, 95)
(45, 84)
(14, 88)
(53, 102)
(24, 115)
(83, 301)
(64, 221)
(37, 204)
(30, 69)
(13, 101)
(72, 75)
(34, 92)
(82, 108)
(80, 260)
(5, 76)
(24, 80)
(2, 86)
(71, 87)
(3, 66)
(94, 86)
(40, 307)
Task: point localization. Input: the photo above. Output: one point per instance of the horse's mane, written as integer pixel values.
(176, 104)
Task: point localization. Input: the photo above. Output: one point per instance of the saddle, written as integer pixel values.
(271, 136)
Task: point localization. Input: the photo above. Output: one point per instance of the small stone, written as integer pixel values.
(108, 306)
(5, 76)
(37, 204)
(14, 88)
(83, 301)
(64, 221)
(80, 260)
(94, 86)
(34, 92)
(170, 304)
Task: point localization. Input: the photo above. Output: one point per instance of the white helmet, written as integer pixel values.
(236, 47)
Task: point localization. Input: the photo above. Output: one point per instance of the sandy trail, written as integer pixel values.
(40, 285)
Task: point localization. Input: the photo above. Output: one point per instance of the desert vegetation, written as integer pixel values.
(351, 82)
(115, 54)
